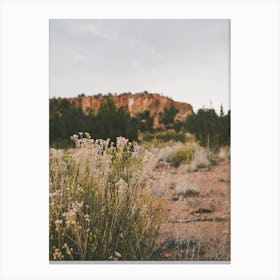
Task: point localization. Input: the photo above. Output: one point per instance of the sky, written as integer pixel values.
(187, 60)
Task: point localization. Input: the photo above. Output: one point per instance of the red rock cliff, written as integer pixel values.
(136, 103)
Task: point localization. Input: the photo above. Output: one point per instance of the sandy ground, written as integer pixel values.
(197, 227)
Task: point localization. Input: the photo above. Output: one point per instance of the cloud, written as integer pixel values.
(184, 59)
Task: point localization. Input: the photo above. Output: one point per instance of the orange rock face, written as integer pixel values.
(136, 103)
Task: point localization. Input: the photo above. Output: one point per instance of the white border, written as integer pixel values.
(255, 138)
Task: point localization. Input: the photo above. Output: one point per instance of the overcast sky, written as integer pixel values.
(187, 60)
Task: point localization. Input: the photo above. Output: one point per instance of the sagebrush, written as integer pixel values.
(100, 203)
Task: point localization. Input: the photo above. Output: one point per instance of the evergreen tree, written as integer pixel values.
(167, 116)
(145, 121)
(210, 129)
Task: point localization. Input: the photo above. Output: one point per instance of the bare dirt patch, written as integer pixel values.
(195, 227)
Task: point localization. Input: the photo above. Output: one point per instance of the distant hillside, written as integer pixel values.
(136, 103)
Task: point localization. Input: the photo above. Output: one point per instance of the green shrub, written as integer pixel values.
(189, 192)
(201, 158)
(182, 155)
(183, 190)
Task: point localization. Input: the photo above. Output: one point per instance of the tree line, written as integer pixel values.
(67, 119)
(210, 129)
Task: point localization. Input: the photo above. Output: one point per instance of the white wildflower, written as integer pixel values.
(87, 135)
(121, 143)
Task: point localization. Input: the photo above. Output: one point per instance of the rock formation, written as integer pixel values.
(136, 103)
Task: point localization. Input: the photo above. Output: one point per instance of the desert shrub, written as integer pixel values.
(180, 156)
(189, 192)
(201, 158)
(224, 153)
(192, 248)
(100, 204)
(175, 249)
(184, 190)
(189, 157)
(176, 154)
